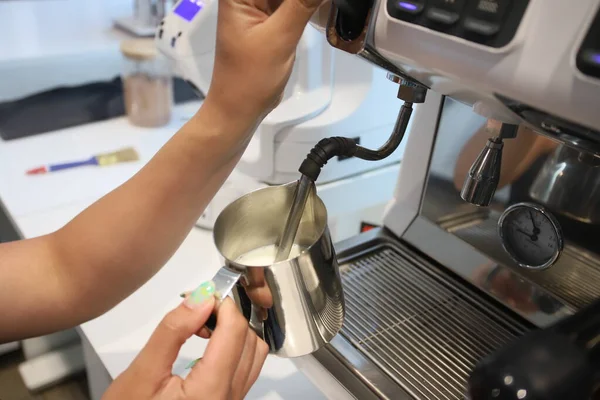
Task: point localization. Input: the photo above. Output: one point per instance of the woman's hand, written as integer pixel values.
(255, 51)
(230, 366)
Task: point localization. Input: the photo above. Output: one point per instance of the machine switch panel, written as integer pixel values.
(492, 23)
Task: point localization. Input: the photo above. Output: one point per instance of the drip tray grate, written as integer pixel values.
(422, 327)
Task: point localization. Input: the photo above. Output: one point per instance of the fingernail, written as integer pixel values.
(201, 294)
(191, 364)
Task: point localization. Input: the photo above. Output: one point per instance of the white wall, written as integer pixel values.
(46, 43)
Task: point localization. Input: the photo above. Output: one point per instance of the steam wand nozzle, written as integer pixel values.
(484, 175)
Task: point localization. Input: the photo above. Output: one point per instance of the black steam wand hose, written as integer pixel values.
(311, 167)
(328, 148)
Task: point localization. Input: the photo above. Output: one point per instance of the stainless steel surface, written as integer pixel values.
(465, 238)
(468, 253)
(394, 78)
(481, 182)
(301, 194)
(569, 182)
(575, 279)
(225, 280)
(542, 241)
(411, 330)
(303, 295)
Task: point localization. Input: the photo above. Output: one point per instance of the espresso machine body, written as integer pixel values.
(512, 115)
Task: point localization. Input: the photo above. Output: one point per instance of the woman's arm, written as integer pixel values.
(118, 243)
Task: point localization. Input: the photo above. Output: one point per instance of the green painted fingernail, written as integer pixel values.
(182, 295)
(202, 293)
(191, 364)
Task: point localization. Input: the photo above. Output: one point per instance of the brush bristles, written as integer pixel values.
(125, 155)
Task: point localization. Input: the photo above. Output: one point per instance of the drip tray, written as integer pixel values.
(414, 325)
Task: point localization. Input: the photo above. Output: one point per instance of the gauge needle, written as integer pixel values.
(535, 228)
(524, 233)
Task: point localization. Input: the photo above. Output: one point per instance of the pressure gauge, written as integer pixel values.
(531, 235)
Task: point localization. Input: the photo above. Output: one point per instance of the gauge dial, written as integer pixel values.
(531, 235)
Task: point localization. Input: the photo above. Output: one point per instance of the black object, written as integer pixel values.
(588, 57)
(323, 151)
(343, 157)
(508, 131)
(560, 362)
(492, 23)
(352, 17)
(543, 365)
(71, 106)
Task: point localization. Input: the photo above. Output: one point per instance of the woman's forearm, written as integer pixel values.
(122, 240)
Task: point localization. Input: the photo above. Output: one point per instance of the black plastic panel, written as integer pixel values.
(588, 57)
(489, 22)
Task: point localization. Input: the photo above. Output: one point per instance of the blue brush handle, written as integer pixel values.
(75, 164)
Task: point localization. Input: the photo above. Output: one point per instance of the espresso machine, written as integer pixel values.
(484, 280)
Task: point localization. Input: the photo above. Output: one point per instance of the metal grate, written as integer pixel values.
(575, 278)
(425, 329)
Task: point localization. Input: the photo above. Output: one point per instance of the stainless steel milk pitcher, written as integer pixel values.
(296, 305)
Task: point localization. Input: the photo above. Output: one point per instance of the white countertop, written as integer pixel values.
(42, 204)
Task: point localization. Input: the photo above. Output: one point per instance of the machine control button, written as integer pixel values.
(485, 17)
(588, 56)
(448, 5)
(591, 57)
(405, 8)
(442, 16)
(589, 62)
(489, 10)
(481, 27)
(410, 7)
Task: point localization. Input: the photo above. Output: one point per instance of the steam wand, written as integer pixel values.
(482, 180)
(328, 148)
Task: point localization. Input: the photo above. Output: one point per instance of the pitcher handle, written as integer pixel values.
(225, 280)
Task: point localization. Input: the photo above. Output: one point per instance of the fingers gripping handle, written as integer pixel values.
(224, 282)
